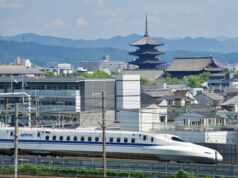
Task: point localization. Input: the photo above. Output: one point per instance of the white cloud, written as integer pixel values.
(58, 24)
(10, 3)
(81, 22)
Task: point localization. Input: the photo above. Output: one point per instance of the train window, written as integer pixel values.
(82, 139)
(68, 138)
(144, 137)
(125, 140)
(54, 137)
(89, 139)
(61, 138)
(96, 139)
(75, 138)
(38, 134)
(152, 139)
(11, 134)
(133, 140)
(118, 140)
(177, 139)
(111, 139)
(47, 137)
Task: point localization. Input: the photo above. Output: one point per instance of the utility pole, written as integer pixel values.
(104, 138)
(16, 142)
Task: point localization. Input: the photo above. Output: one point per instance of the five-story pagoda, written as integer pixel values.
(146, 52)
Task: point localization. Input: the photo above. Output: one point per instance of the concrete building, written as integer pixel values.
(128, 102)
(63, 69)
(20, 70)
(65, 94)
(112, 65)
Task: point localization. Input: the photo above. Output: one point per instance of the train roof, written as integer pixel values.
(90, 130)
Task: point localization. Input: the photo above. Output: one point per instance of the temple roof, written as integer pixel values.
(146, 40)
(146, 52)
(193, 64)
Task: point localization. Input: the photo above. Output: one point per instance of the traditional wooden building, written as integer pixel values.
(146, 52)
(186, 66)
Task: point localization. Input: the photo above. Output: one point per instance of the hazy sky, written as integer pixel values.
(91, 19)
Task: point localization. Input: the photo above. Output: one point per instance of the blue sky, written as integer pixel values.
(93, 19)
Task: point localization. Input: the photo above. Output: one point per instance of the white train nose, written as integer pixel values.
(219, 157)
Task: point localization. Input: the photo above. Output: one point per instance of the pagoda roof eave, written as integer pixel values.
(146, 40)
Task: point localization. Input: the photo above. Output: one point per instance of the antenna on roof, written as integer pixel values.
(146, 26)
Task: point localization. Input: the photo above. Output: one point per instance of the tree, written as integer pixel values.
(196, 80)
(49, 74)
(144, 81)
(173, 80)
(96, 74)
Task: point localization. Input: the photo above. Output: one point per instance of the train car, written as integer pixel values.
(54, 141)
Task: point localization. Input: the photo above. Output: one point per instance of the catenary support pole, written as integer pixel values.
(16, 142)
(104, 138)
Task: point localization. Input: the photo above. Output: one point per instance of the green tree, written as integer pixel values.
(96, 74)
(49, 74)
(196, 80)
(173, 80)
(146, 81)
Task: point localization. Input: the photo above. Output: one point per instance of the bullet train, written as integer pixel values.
(54, 141)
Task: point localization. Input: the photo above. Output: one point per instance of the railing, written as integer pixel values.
(127, 165)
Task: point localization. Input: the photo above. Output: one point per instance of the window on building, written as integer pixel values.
(54, 138)
(89, 139)
(47, 137)
(111, 139)
(61, 138)
(133, 140)
(125, 140)
(82, 139)
(118, 140)
(162, 118)
(96, 139)
(68, 138)
(75, 138)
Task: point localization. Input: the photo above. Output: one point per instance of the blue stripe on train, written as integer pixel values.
(74, 142)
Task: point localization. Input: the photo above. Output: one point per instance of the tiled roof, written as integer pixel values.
(146, 74)
(146, 40)
(232, 101)
(192, 64)
(213, 96)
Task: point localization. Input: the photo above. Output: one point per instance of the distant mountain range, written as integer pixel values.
(43, 49)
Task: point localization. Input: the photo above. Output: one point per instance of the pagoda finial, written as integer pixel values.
(146, 26)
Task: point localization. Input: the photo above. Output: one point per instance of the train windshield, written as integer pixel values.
(177, 139)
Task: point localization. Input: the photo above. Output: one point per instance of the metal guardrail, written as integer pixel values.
(154, 167)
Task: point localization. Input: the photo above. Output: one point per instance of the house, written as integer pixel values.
(198, 119)
(153, 113)
(231, 104)
(189, 98)
(222, 82)
(186, 66)
(209, 98)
